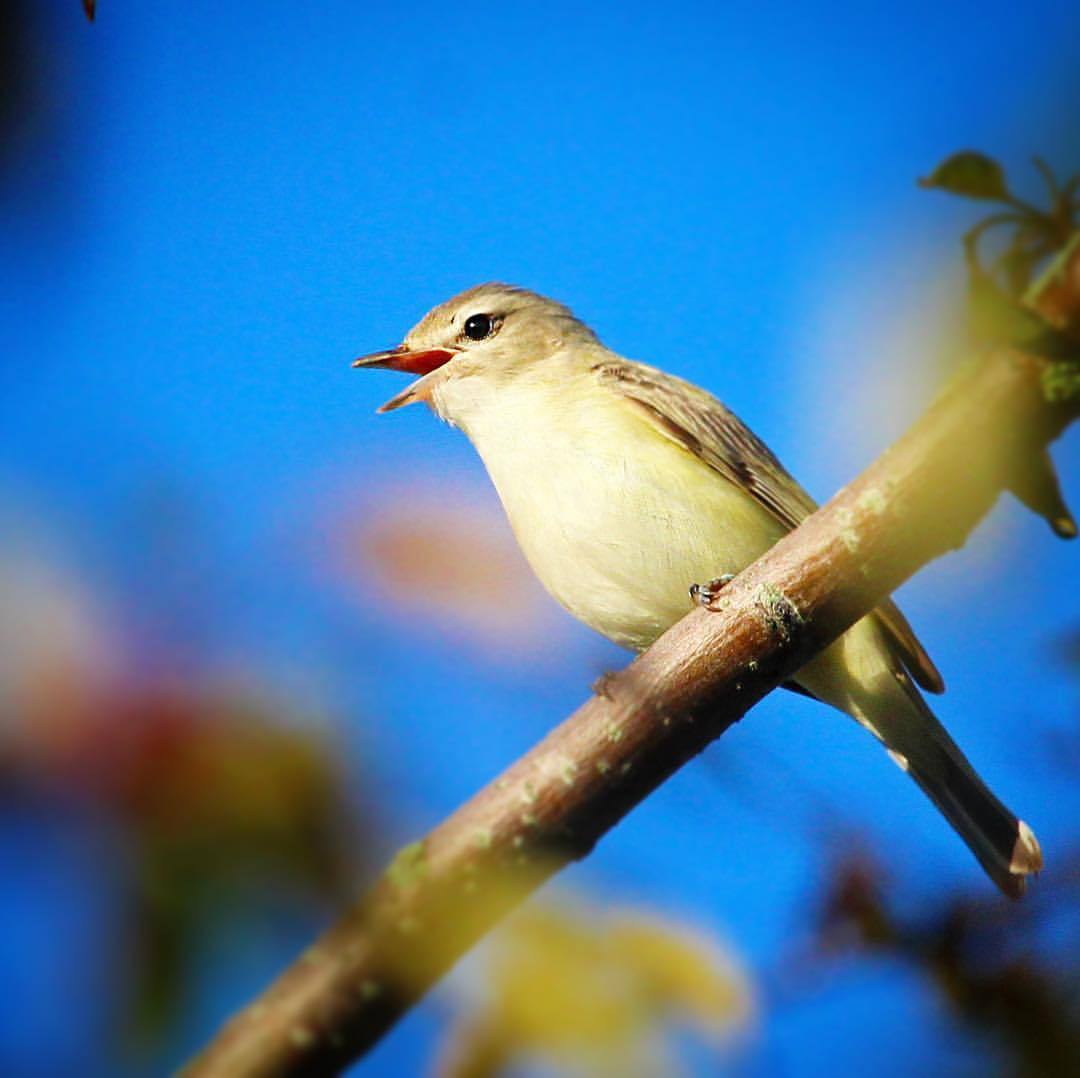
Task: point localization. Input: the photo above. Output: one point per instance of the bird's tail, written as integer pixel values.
(885, 701)
(1004, 845)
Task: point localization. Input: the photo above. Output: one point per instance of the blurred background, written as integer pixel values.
(253, 637)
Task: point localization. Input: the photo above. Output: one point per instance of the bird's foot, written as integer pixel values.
(602, 686)
(703, 594)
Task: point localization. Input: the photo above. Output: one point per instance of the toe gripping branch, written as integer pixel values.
(704, 594)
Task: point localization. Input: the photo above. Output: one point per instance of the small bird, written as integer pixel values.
(635, 494)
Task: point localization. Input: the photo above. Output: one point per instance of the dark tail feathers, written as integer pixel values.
(1004, 845)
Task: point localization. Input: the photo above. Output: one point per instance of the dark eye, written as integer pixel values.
(478, 326)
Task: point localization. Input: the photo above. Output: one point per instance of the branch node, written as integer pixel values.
(780, 614)
(409, 865)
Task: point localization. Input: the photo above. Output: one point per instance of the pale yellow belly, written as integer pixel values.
(616, 521)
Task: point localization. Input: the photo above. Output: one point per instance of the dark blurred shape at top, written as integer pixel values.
(21, 77)
(40, 111)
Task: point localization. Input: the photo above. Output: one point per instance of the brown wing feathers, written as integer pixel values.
(704, 427)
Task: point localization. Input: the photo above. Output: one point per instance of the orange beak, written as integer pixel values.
(423, 362)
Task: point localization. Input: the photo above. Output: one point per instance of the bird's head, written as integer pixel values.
(492, 332)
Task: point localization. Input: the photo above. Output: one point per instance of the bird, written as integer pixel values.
(635, 494)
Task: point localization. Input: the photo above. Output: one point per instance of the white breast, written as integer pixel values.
(616, 520)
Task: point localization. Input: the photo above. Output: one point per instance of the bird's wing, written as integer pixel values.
(700, 424)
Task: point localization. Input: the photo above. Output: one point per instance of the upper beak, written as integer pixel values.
(404, 359)
(421, 361)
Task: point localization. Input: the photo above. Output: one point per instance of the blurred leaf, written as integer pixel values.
(1018, 263)
(970, 175)
(595, 993)
(224, 806)
(685, 974)
(998, 319)
(1057, 291)
(556, 984)
(973, 953)
(448, 560)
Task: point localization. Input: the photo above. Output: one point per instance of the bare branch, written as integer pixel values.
(919, 500)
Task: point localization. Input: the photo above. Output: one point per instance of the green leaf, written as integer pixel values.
(971, 175)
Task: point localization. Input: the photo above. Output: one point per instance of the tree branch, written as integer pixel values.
(919, 500)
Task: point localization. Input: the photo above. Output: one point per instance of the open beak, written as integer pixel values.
(422, 361)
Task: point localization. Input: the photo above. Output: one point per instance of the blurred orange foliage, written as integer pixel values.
(223, 800)
(449, 557)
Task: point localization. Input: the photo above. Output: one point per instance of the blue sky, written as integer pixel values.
(223, 204)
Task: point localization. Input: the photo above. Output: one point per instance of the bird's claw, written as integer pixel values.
(703, 594)
(602, 686)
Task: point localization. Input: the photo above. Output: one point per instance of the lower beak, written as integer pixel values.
(419, 361)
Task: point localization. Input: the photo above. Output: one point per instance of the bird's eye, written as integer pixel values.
(478, 326)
